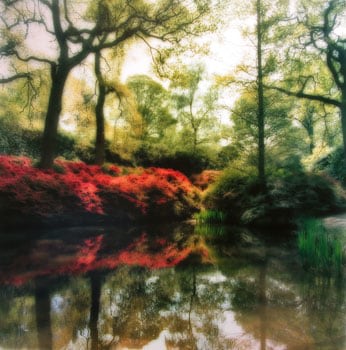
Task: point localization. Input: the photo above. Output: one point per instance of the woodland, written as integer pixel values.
(261, 143)
(172, 174)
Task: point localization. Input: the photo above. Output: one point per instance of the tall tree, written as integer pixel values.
(196, 109)
(320, 38)
(77, 33)
(120, 93)
(251, 77)
(280, 136)
(260, 94)
(99, 113)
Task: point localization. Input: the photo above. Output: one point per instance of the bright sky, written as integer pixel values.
(226, 52)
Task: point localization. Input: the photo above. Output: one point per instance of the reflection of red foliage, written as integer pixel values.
(89, 257)
(89, 188)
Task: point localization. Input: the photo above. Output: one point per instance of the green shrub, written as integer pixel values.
(286, 197)
(188, 162)
(319, 250)
(334, 165)
(16, 140)
(232, 193)
(11, 141)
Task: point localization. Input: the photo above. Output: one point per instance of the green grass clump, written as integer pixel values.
(321, 252)
(210, 217)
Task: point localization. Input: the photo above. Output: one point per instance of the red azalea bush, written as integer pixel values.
(78, 187)
(205, 178)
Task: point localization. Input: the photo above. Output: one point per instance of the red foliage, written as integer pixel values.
(113, 170)
(205, 178)
(81, 187)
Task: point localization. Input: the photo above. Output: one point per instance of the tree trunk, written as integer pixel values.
(311, 143)
(99, 114)
(261, 111)
(50, 133)
(195, 140)
(343, 122)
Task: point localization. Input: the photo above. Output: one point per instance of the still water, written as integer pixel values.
(157, 289)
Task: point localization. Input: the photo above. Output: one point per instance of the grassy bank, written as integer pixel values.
(320, 251)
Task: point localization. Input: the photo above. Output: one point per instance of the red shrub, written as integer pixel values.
(205, 178)
(87, 188)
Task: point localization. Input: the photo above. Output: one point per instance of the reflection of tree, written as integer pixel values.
(191, 306)
(137, 305)
(130, 312)
(17, 321)
(263, 303)
(42, 310)
(194, 322)
(95, 283)
(249, 299)
(192, 298)
(275, 307)
(272, 314)
(323, 301)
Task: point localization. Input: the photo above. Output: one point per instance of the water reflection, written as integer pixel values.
(42, 313)
(134, 290)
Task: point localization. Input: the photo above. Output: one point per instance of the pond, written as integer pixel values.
(149, 288)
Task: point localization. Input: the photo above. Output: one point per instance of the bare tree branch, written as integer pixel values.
(301, 94)
(15, 77)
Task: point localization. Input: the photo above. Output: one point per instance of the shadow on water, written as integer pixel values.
(165, 288)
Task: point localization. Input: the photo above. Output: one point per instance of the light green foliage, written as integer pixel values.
(320, 251)
(318, 124)
(154, 105)
(312, 63)
(151, 16)
(179, 125)
(282, 139)
(196, 107)
(25, 100)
